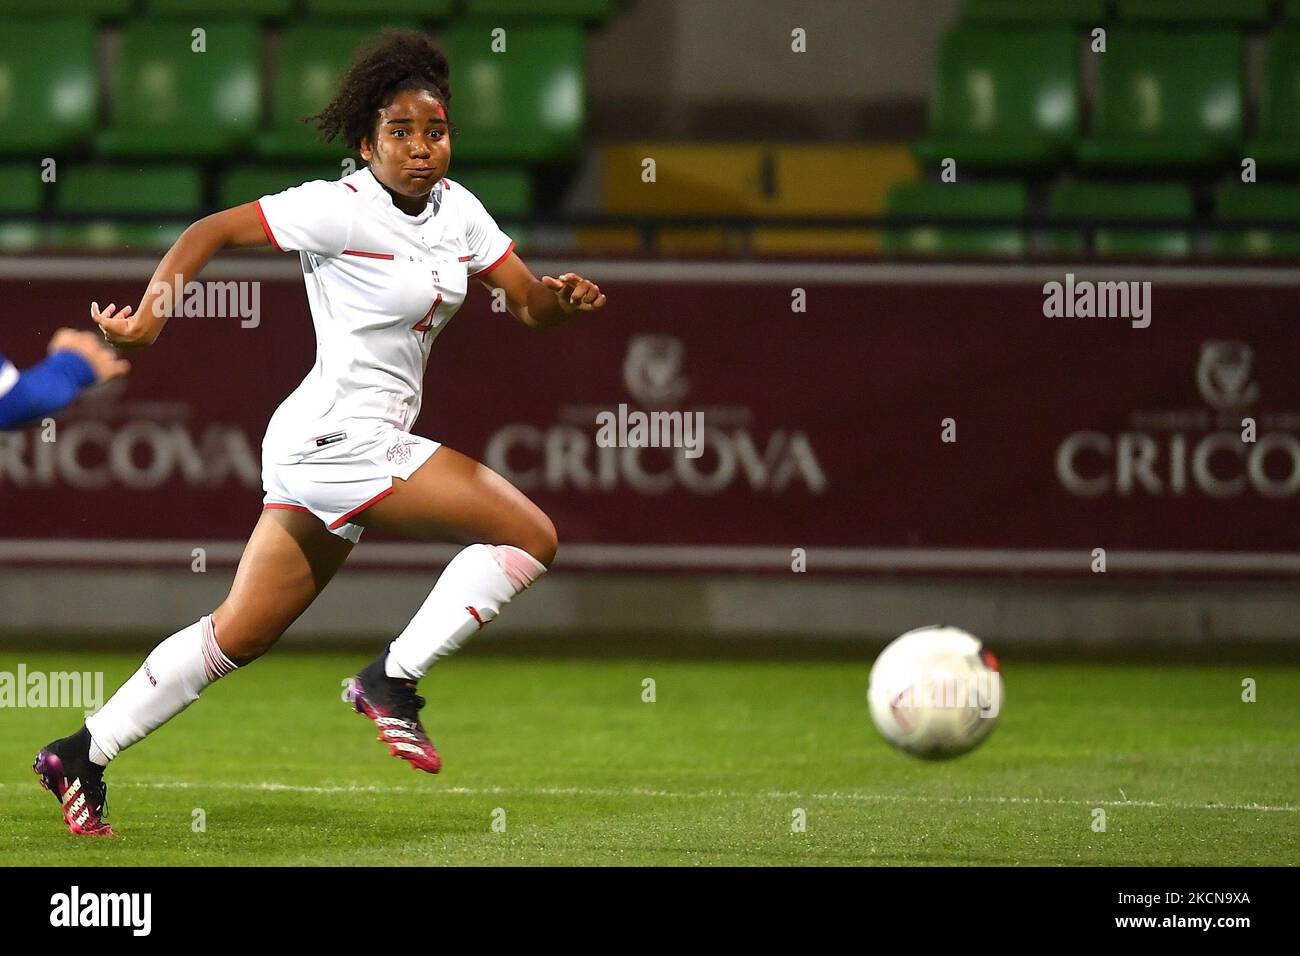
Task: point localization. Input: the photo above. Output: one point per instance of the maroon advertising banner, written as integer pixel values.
(887, 427)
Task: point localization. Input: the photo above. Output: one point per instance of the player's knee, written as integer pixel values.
(540, 540)
(240, 641)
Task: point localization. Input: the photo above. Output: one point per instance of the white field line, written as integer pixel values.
(850, 796)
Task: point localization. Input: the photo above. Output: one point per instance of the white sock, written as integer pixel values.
(470, 593)
(169, 680)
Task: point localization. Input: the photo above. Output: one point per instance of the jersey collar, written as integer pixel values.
(430, 209)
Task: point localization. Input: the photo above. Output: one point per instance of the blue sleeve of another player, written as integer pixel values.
(42, 389)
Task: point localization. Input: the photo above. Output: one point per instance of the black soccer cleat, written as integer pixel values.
(77, 782)
(394, 706)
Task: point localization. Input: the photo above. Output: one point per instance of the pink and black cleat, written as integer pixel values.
(66, 770)
(394, 706)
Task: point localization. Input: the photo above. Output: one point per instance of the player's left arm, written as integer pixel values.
(546, 302)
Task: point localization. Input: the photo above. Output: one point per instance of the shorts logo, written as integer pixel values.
(400, 453)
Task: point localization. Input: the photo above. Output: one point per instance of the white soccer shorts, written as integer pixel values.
(346, 477)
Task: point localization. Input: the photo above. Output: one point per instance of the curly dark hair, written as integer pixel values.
(391, 62)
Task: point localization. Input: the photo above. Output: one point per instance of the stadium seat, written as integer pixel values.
(814, 243)
(527, 105)
(851, 179)
(22, 235)
(1167, 101)
(587, 10)
(721, 179)
(504, 191)
(942, 200)
(1074, 12)
(408, 9)
(243, 184)
(1004, 99)
(90, 9)
(1242, 12)
(47, 85)
(94, 194)
(1277, 144)
(1095, 201)
(169, 101)
(24, 190)
(1240, 202)
(312, 59)
(229, 8)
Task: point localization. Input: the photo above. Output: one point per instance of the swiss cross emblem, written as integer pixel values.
(400, 453)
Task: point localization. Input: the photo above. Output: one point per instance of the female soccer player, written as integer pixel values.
(386, 255)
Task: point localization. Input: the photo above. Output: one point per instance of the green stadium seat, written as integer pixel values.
(503, 191)
(526, 105)
(1073, 12)
(1004, 99)
(1095, 201)
(1277, 144)
(312, 59)
(87, 9)
(1167, 100)
(228, 8)
(108, 236)
(17, 235)
(24, 189)
(248, 183)
(169, 101)
(24, 192)
(586, 10)
(1244, 12)
(942, 200)
(370, 9)
(1242, 202)
(94, 194)
(47, 85)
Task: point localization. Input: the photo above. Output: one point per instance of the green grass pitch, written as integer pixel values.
(583, 772)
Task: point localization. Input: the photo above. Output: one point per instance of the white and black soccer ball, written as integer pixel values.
(935, 692)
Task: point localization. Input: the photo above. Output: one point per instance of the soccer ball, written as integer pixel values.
(935, 692)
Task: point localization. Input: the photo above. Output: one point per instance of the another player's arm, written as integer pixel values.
(237, 227)
(546, 302)
(77, 360)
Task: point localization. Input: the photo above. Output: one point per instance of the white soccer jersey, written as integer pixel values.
(381, 286)
(8, 376)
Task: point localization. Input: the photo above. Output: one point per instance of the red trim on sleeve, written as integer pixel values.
(482, 272)
(266, 226)
(350, 186)
(368, 255)
(335, 525)
(276, 504)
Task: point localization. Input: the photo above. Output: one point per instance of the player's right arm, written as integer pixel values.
(234, 228)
